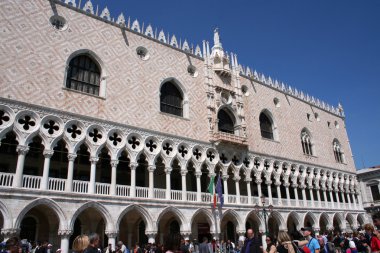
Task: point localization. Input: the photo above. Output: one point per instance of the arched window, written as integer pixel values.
(171, 99)
(338, 152)
(83, 75)
(306, 143)
(225, 122)
(266, 126)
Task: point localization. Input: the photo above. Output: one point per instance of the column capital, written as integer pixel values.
(94, 159)
(48, 153)
(186, 234)
(65, 232)
(71, 157)
(111, 233)
(10, 232)
(236, 178)
(114, 163)
(183, 172)
(133, 165)
(241, 233)
(277, 183)
(286, 184)
(168, 170)
(22, 149)
(258, 181)
(225, 177)
(248, 179)
(198, 174)
(151, 168)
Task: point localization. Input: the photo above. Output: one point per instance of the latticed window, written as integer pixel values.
(83, 75)
(266, 126)
(171, 99)
(337, 152)
(225, 123)
(306, 143)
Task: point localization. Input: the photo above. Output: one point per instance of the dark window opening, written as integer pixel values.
(266, 127)
(225, 123)
(171, 99)
(83, 75)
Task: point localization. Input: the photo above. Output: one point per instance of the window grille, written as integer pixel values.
(83, 75)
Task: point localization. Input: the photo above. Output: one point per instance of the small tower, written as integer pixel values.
(220, 60)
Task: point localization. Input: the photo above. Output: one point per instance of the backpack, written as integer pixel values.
(330, 247)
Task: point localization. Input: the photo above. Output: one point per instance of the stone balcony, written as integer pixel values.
(104, 190)
(230, 138)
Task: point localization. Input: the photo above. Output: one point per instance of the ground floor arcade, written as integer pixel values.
(60, 219)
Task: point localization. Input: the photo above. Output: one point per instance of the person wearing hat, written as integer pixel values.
(310, 241)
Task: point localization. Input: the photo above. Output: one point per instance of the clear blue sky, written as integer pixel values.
(327, 48)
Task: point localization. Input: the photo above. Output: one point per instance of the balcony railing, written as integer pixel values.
(227, 137)
(57, 184)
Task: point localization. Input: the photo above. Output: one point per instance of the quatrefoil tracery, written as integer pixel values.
(51, 126)
(27, 122)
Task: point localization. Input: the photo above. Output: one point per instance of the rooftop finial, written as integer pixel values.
(217, 38)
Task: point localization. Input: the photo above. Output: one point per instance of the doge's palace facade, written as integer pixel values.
(108, 125)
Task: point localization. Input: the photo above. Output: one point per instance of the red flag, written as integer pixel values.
(214, 200)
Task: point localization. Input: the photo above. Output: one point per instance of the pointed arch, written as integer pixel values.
(145, 214)
(307, 142)
(296, 218)
(49, 204)
(208, 216)
(235, 217)
(97, 206)
(7, 216)
(313, 219)
(97, 72)
(178, 214)
(279, 219)
(227, 120)
(258, 218)
(174, 97)
(268, 126)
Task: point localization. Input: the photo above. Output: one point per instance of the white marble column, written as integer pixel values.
(91, 185)
(304, 195)
(311, 196)
(287, 193)
(168, 171)
(325, 197)
(114, 164)
(111, 238)
(184, 188)
(349, 200)
(65, 236)
(151, 182)
(331, 198)
(225, 185)
(133, 179)
(343, 200)
(45, 175)
(70, 172)
(237, 179)
(249, 193)
(279, 197)
(258, 183)
(354, 200)
(269, 187)
(319, 197)
(296, 194)
(22, 151)
(337, 199)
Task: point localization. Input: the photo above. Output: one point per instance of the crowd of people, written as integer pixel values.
(366, 241)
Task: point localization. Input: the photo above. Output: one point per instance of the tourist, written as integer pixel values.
(13, 245)
(271, 247)
(352, 248)
(94, 240)
(310, 242)
(137, 248)
(203, 247)
(252, 243)
(229, 247)
(372, 239)
(172, 243)
(285, 244)
(80, 243)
